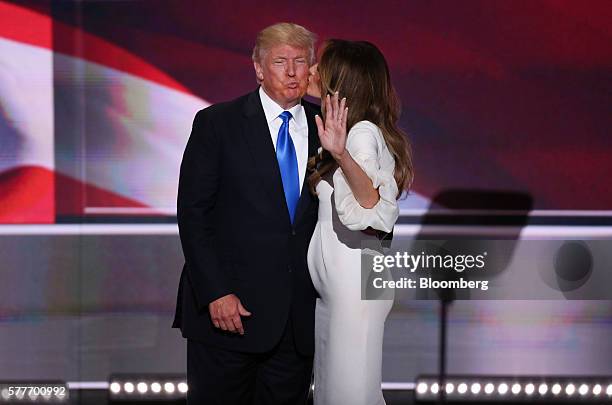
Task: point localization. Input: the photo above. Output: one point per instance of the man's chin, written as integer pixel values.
(296, 94)
(293, 97)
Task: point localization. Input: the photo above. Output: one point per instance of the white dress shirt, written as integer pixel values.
(298, 129)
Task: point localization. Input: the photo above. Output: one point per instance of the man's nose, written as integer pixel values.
(290, 68)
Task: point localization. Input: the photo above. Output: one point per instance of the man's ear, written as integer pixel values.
(258, 71)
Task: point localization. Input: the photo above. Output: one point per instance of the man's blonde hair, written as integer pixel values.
(284, 34)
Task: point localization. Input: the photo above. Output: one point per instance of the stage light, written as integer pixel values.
(156, 387)
(570, 389)
(142, 387)
(462, 388)
(489, 388)
(115, 388)
(422, 388)
(169, 387)
(583, 390)
(609, 390)
(516, 388)
(543, 389)
(182, 387)
(128, 387)
(529, 389)
(556, 389)
(502, 389)
(450, 388)
(475, 388)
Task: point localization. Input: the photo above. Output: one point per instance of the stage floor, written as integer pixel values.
(100, 397)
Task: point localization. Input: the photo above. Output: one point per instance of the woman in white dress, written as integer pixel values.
(356, 178)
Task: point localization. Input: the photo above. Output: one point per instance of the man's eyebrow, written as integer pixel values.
(276, 58)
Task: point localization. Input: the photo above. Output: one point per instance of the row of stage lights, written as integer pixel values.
(505, 389)
(154, 387)
(143, 388)
(127, 387)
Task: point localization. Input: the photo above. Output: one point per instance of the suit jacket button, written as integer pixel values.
(289, 269)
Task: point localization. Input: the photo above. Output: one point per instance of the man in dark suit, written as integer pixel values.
(246, 301)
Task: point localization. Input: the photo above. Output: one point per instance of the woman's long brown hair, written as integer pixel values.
(359, 72)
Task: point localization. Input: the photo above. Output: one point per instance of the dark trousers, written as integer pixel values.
(223, 377)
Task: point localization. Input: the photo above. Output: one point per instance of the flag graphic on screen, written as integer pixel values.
(97, 98)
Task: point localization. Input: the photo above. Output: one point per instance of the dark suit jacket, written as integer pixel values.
(236, 233)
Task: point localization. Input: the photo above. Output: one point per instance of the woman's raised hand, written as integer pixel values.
(332, 132)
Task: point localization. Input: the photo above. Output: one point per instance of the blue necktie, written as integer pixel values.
(287, 163)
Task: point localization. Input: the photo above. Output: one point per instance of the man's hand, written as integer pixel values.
(225, 313)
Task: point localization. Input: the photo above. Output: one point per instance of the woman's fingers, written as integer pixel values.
(335, 117)
(320, 125)
(335, 106)
(331, 107)
(323, 135)
(328, 109)
(343, 113)
(342, 110)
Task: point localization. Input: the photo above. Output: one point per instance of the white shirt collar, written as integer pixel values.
(272, 110)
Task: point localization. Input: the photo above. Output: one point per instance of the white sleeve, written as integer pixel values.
(367, 147)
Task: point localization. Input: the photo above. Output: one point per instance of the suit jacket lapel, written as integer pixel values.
(256, 133)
